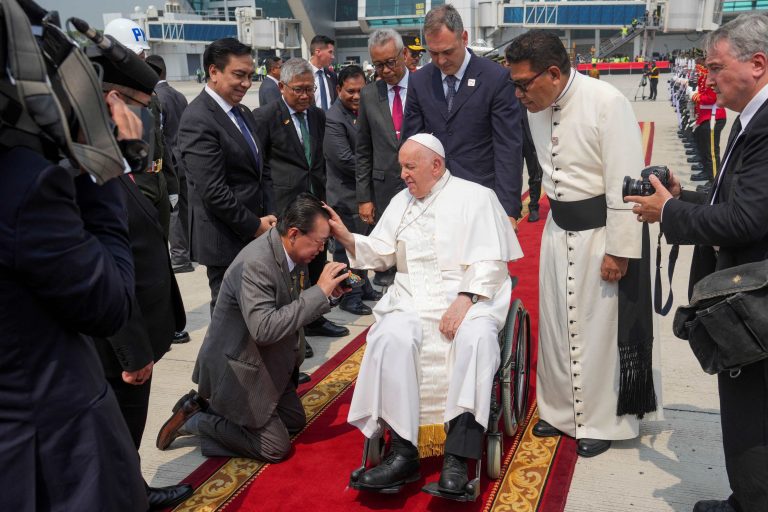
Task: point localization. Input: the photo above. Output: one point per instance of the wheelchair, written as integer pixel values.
(509, 401)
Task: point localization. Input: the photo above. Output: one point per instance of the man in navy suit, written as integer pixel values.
(322, 50)
(269, 90)
(469, 104)
(230, 192)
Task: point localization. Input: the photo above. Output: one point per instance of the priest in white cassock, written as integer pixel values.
(433, 351)
(595, 376)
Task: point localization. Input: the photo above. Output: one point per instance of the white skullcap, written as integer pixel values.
(429, 141)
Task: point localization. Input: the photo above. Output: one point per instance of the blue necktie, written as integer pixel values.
(450, 81)
(321, 84)
(246, 133)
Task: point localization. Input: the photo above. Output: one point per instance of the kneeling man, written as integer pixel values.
(247, 368)
(433, 351)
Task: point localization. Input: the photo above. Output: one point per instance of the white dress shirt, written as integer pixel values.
(321, 83)
(459, 74)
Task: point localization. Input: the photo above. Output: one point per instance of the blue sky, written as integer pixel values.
(91, 10)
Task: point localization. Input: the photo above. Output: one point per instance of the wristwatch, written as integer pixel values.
(472, 296)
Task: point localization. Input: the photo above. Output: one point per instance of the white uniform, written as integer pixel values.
(587, 141)
(457, 238)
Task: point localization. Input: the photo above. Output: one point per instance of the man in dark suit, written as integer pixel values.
(269, 90)
(291, 132)
(728, 226)
(230, 190)
(321, 50)
(173, 104)
(66, 274)
(339, 150)
(247, 405)
(469, 104)
(381, 122)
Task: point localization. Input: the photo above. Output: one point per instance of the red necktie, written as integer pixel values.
(397, 111)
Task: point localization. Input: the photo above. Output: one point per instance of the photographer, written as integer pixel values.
(66, 274)
(729, 227)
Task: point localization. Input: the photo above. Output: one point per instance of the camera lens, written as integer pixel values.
(630, 187)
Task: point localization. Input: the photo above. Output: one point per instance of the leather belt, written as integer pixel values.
(580, 215)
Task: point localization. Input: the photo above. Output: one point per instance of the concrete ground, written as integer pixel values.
(674, 463)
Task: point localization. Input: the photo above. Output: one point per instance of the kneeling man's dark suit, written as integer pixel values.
(247, 362)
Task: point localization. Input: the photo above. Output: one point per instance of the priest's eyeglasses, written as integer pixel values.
(298, 91)
(523, 85)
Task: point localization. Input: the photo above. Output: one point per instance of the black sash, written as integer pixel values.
(579, 215)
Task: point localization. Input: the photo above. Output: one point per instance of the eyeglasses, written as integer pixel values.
(298, 91)
(390, 64)
(524, 85)
(320, 242)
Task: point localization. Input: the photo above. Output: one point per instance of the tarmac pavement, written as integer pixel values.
(674, 463)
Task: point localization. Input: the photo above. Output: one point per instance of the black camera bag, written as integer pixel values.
(726, 323)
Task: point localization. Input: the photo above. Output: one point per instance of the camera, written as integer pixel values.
(643, 187)
(353, 281)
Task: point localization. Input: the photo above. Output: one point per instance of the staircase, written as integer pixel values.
(613, 44)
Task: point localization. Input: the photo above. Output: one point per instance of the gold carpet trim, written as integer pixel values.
(231, 478)
(523, 483)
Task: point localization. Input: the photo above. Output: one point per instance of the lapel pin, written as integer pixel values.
(287, 122)
(471, 82)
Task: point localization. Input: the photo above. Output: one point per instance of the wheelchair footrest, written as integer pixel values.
(471, 491)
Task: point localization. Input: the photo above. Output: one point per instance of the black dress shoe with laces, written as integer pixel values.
(303, 378)
(544, 429)
(164, 497)
(181, 337)
(308, 352)
(324, 327)
(399, 467)
(713, 506)
(453, 477)
(356, 308)
(591, 447)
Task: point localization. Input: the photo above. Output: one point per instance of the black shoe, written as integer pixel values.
(713, 506)
(453, 477)
(356, 308)
(705, 188)
(324, 327)
(697, 167)
(591, 447)
(385, 278)
(308, 352)
(164, 497)
(304, 378)
(701, 176)
(181, 269)
(544, 429)
(693, 160)
(533, 215)
(689, 152)
(373, 295)
(181, 337)
(395, 470)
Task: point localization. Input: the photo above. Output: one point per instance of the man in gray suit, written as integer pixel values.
(382, 104)
(247, 368)
(269, 90)
(339, 149)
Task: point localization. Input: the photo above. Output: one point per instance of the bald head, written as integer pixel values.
(421, 167)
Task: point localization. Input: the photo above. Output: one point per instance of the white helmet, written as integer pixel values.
(129, 33)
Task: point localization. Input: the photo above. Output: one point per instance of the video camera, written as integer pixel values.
(51, 98)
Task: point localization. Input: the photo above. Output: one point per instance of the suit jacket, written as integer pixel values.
(482, 133)
(284, 157)
(738, 220)
(173, 104)
(378, 169)
(339, 151)
(157, 310)
(65, 275)
(269, 91)
(333, 81)
(251, 349)
(229, 190)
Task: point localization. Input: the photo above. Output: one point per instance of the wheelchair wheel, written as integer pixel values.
(494, 452)
(515, 363)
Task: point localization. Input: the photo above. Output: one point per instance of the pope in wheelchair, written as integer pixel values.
(432, 355)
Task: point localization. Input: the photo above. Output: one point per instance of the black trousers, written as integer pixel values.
(215, 277)
(703, 137)
(465, 437)
(534, 173)
(654, 88)
(355, 225)
(179, 227)
(134, 404)
(744, 419)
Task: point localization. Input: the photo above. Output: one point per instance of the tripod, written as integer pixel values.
(641, 88)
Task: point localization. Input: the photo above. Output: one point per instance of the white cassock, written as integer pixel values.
(587, 141)
(456, 239)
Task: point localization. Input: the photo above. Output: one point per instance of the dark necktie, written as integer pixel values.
(246, 133)
(397, 111)
(732, 137)
(321, 84)
(450, 81)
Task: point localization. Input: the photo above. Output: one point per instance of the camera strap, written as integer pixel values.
(663, 310)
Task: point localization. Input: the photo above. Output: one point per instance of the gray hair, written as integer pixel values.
(747, 34)
(293, 68)
(382, 36)
(443, 16)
